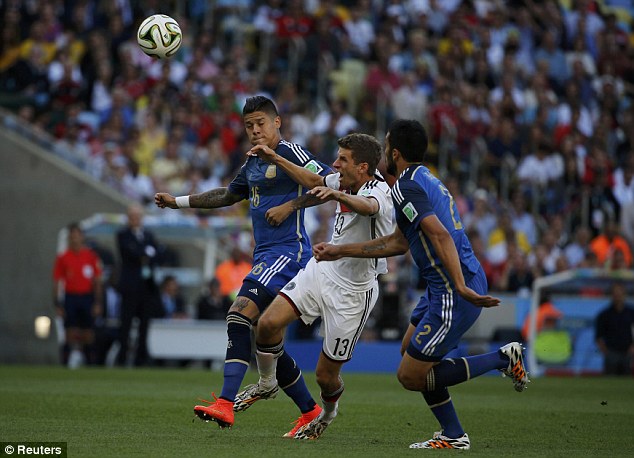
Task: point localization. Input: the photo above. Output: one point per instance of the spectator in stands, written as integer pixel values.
(517, 275)
(504, 148)
(232, 271)
(360, 30)
(502, 236)
(172, 300)
(551, 251)
(575, 251)
(169, 169)
(540, 173)
(139, 253)
(555, 59)
(603, 206)
(627, 222)
(523, 220)
(608, 242)
(481, 218)
(336, 120)
(77, 296)
(380, 83)
(613, 333)
(623, 187)
(137, 186)
(212, 304)
(152, 140)
(409, 101)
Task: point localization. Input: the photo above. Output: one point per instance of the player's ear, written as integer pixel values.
(278, 122)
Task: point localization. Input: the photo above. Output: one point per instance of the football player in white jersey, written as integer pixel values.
(342, 293)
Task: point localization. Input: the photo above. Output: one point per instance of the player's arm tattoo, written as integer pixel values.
(374, 246)
(307, 200)
(388, 245)
(219, 197)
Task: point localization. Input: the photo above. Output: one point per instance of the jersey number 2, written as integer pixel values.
(452, 207)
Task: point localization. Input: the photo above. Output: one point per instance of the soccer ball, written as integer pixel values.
(159, 36)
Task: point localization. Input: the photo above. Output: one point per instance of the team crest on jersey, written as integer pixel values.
(410, 212)
(271, 171)
(313, 166)
(290, 286)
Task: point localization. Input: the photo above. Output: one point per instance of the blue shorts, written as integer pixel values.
(78, 311)
(269, 275)
(442, 319)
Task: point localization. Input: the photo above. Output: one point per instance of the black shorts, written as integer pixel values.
(78, 311)
(257, 293)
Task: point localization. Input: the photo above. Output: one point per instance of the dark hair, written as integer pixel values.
(259, 103)
(167, 279)
(365, 148)
(74, 226)
(410, 138)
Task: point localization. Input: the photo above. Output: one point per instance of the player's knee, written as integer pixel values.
(268, 327)
(411, 381)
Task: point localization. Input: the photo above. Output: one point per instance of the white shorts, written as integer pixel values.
(343, 312)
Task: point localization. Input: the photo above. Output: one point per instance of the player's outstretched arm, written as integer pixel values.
(165, 200)
(219, 197)
(298, 174)
(215, 198)
(383, 247)
(359, 204)
(446, 249)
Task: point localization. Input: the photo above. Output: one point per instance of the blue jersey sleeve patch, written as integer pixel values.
(313, 166)
(412, 201)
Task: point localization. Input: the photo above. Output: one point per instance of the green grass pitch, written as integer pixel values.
(126, 413)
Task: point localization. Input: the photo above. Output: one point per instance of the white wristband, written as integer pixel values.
(182, 202)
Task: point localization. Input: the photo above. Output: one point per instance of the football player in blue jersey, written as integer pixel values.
(280, 252)
(428, 224)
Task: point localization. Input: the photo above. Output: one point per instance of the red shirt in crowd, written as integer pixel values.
(78, 270)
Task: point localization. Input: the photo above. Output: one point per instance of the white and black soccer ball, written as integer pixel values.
(159, 36)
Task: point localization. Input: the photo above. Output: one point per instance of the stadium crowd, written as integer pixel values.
(528, 104)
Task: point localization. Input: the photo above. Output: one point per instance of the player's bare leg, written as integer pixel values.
(329, 380)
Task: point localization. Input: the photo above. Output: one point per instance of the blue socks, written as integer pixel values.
(453, 371)
(481, 364)
(289, 377)
(441, 406)
(238, 354)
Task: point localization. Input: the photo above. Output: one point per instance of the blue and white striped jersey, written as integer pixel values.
(417, 194)
(267, 186)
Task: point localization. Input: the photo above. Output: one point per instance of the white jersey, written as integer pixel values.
(359, 274)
